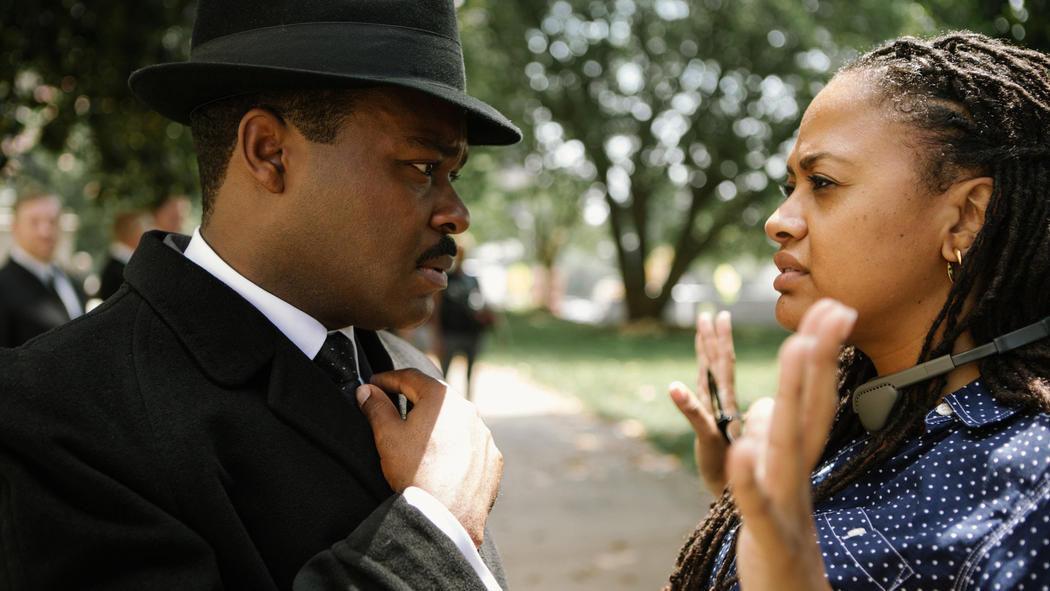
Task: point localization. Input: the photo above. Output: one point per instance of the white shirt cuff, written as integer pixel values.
(440, 516)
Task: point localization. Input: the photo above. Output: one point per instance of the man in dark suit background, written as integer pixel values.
(36, 295)
(207, 427)
(127, 230)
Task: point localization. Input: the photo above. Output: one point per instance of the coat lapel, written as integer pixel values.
(303, 396)
(234, 344)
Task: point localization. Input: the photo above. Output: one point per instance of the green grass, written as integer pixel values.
(623, 374)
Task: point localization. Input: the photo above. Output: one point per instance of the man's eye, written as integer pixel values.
(427, 168)
(453, 177)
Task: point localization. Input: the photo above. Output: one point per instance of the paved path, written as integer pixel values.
(586, 505)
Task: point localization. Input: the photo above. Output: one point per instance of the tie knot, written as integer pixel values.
(336, 358)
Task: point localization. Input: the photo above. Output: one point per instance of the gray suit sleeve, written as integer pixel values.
(396, 549)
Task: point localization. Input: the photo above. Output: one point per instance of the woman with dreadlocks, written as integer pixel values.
(918, 194)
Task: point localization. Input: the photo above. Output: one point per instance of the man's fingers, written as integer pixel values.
(413, 383)
(378, 408)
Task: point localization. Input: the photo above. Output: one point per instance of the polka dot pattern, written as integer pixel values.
(965, 505)
(337, 359)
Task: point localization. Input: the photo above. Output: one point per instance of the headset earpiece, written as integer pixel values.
(873, 402)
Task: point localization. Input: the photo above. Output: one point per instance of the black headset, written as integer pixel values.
(873, 401)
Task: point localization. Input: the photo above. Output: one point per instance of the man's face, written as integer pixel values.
(171, 216)
(372, 209)
(36, 229)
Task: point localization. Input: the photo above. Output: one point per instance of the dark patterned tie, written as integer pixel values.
(336, 358)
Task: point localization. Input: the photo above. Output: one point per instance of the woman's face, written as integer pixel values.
(857, 223)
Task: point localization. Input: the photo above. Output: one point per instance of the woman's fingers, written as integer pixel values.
(693, 408)
(757, 513)
(784, 470)
(703, 357)
(811, 319)
(715, 352)
(725, 368)
(820, 390)
(709, 446)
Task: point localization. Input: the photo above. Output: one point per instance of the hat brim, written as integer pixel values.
(176, 89)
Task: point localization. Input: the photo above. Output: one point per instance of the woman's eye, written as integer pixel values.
(453, 177)
(820, 182)
(786, 189)
(427, 168)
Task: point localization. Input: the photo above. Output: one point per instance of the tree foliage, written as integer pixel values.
(665, 120)
(675, 114)
(64, 93)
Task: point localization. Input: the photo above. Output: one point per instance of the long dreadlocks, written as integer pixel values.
(978, 105)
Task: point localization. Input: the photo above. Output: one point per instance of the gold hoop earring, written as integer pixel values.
(951, 272)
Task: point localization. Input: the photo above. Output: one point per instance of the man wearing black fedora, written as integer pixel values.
(235, 416)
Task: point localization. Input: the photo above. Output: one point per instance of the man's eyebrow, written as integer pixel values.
(446, 150)
(810, 160)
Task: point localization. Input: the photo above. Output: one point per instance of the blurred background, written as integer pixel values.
(655, 140)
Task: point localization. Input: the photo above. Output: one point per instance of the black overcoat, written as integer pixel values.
(173, 438)
(27, 307)
(111, 277)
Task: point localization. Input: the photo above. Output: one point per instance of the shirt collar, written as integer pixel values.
(975, 406)
(43, 271)
(302, 330)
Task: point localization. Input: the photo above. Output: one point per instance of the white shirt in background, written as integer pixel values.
(46, 273)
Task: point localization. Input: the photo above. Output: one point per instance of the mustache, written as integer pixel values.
(445, 246)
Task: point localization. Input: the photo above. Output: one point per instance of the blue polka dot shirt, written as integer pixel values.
(966, 505)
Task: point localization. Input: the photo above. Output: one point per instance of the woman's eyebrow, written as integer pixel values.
(808, 161)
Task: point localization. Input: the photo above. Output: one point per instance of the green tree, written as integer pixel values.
(683, 110)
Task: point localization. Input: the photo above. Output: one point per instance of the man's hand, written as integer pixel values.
(443, 447)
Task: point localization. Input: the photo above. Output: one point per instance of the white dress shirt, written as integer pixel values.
(309, 335)
(121, 252)
(46, 273)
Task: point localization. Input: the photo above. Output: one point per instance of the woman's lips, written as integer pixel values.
(788, 279)
(791, 271)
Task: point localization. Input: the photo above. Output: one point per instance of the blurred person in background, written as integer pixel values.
(917, 195)
(127, 230)
(170, 214)
(462, 319)
(36, 295)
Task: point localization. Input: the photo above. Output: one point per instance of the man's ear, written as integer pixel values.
(967, 202)
(261, 140)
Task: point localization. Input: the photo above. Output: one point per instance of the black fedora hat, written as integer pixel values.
(245, 46)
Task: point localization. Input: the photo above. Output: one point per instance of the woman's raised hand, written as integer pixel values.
(769, 474)
(714, 354)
